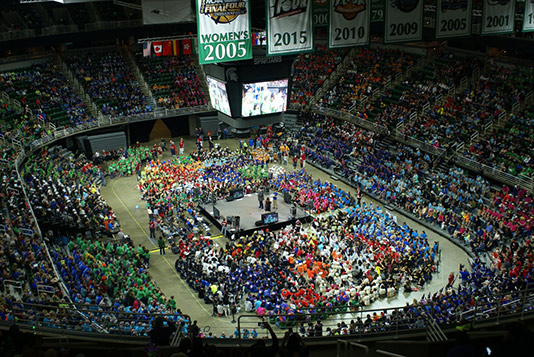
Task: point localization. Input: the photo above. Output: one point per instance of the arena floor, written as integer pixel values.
(123, 195)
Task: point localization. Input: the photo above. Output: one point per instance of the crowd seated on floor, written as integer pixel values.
(508, 149)
(44, 90)
(173, 80)
(110, 83)
(311, 70)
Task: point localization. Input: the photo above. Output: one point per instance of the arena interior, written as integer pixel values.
(366, 201)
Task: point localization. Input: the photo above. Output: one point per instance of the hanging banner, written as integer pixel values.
(453, 18)
(223, 31)
(377, 10)
(498, 16)
(528, 18)
(404, 21)
(349, 23)
(289, 27)
(320, 13)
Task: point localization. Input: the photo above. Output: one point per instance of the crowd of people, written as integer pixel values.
(109, 81)
(173, 81)
(44, 90)
(311, 70)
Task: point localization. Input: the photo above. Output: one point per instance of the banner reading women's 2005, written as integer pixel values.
(498, 16)
(453, 18)
(223, 31)
(349, 23)
(289, 26)
(404, 21)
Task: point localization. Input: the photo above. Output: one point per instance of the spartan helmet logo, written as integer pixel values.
(231, 74)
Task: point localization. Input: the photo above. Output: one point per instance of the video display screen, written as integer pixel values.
(269, 218)
(264, 98)
(219, 96)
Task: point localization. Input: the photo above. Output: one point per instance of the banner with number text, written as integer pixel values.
(320, 13)
(404, 21)
(377, 10)
(349, 23)
(528, 19)
(289, 26)
(498, 16)
(223, 31)
(453, 18)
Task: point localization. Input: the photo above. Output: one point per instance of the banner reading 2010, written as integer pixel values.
(498, 16)
(453, 18)
(404, 21)
(350, 21)
(223, 31)
(289, 26)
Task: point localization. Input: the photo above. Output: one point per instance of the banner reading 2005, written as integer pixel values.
(453, 18)
(498, 16)
(404, 21)
(349, 23)
(223, 30)
(289, 26)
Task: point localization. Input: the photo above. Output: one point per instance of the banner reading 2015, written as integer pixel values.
(498, 16)
(223, 31)
(349, 23)
(453, 18)
(289, 26)
(404, 21)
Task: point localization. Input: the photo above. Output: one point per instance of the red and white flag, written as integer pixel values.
(158, 48)
(187, 48)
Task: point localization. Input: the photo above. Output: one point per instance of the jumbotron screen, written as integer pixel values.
(264, 98)
(219, 96)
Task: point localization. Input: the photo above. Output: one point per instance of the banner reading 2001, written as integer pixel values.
(289, 26)
(349, 23)
(498, 16)
(223, 31)
(453, 18)
(404, 21)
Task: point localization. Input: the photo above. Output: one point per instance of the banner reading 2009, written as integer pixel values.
(404, 21)
(498, 16)
(349, 23)
(289, 26)
(223, 31)
(453, 18)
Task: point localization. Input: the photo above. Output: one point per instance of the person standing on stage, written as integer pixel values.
(181, 146)
(275, 200)
(152, 229)
(267, 205)
(173, 148)
(224, 227)
(260, 198)
(161, 245)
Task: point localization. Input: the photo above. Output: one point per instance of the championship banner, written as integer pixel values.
(320, 13)
(453, 18)
(404, 21)
(350, 23)
(498, 17)
(223, 31)
(528, 18)
(377, 10)
(289, 26)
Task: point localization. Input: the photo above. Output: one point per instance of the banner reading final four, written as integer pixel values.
(498, 16)
(289, 26)
(453, 18)
(349, 23)
(223, 31)
(404, 21)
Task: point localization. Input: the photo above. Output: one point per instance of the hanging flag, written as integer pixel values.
(175, 47)
(187, 47)
(158, 48)
(167, 48)
(146, 49)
